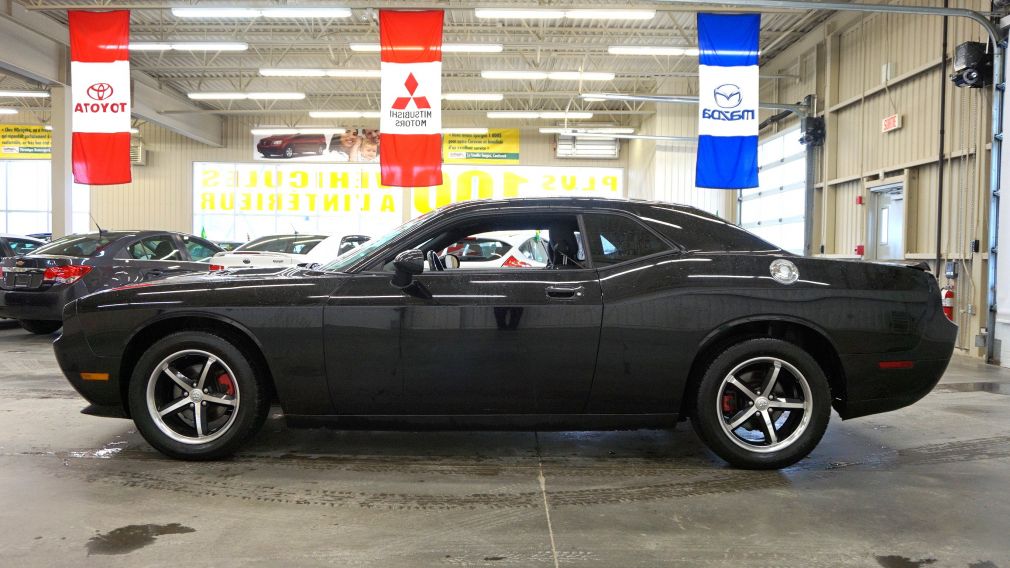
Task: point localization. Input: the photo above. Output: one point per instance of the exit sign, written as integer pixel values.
(890, 123)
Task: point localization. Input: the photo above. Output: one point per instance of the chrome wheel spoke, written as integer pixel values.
(204, 371)
(200, 418)
(219, 400)
(769, 429)
(741, 417)
(766, 389)
(787, 403)
(741, 387)
(178, 378)
(176, 406)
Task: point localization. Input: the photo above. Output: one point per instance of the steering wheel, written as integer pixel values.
(434, 262)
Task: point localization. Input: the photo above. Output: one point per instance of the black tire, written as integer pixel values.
(253, 401)
(716, 408)
(41, 327)
(289, 152)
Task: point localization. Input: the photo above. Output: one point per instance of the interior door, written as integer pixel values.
(887, 227)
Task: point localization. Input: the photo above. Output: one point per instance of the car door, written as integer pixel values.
(153, 257)
(494, 341)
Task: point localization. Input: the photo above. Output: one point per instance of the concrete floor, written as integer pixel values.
(927, 485)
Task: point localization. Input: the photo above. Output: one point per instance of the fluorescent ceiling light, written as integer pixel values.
(551, 115)
(8, 111)
(652, 50)
(268, 130)
(48, 127)
(473, 96)
(528, 14)
(506, 14)
(189, 46)
(446, 48)
(344, 114)
(244, 96)
(464, 131)
(26, 94)
(347, 73)
(306, 12)
(610, 14)
(552, 75)
(575, 131)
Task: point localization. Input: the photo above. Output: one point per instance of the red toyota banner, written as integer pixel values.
(100, 79)
(411, 113)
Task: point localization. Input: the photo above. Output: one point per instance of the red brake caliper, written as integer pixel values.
(727, 403)
(226, 383)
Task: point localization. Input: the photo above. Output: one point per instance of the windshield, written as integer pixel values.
(290, 244)
(77, 245)
(349, 258)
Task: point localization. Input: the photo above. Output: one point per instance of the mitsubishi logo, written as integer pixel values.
(401, 102)
(100, 91)
(727, 96)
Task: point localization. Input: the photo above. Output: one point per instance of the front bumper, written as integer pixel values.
(95, 378)
(44, 304)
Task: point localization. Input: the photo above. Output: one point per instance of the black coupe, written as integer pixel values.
(35, 284)
(646, 313)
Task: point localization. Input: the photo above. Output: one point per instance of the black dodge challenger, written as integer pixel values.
(645, 314)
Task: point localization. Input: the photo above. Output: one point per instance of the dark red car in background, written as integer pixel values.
(287, 145)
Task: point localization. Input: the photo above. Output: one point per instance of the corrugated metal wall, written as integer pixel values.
(161, 193)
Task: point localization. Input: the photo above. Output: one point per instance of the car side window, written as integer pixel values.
(21, 246)
(614, 239)
(534, 249)
(161, 247)
(199, 249)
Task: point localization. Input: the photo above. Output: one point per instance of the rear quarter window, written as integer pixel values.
(77, 245)
(697, 230)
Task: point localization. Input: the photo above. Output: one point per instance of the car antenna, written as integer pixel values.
(101, 231)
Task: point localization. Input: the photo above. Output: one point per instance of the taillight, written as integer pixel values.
(65, 274)
(216, 267)
(514, 262)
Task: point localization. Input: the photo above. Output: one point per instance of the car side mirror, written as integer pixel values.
(408, 264)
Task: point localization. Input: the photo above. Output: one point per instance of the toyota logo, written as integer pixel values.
(727, 96)
(100, 91)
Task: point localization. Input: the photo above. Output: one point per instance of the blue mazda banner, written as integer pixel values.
(727, 101)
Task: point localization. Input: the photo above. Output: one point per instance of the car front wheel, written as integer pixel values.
(762, 404)
(40, 327)
(194, 395)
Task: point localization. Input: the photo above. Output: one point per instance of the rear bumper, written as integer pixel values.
(75, 357)
(44, 304)
(872, 390)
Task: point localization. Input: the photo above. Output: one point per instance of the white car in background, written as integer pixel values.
(287, 250)
(508, 249)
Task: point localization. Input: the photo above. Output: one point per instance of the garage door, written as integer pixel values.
(775, 210)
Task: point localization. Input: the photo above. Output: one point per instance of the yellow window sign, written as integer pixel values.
(498, 146)
(25, 142)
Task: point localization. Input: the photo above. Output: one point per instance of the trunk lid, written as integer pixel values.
(28, 272)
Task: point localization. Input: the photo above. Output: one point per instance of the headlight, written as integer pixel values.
(276, 142)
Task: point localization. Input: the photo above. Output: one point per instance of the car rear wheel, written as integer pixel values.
(194, 395)
(40, 327)
(762, 404)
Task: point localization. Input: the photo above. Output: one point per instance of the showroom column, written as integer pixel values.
(62, 176)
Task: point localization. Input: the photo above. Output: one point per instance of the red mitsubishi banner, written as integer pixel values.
(411, 114)
(100, 79)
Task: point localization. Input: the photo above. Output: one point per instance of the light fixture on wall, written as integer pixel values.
(341, 73)
(532, 14)
(25, 94)
(656, 50)
(8, 111)
(464, 131)
(232, 96)
(473, 96)
(344, 114)
(250, 13)
(546, 115)
(552, 75)
(446, 47)
(576, 131)
(189, 46)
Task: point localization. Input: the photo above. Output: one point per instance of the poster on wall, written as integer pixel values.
(25, 142)
(359, 145)
(241, 201)
(498, 146)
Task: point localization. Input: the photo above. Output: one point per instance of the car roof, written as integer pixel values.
(579, 202)
(13, 236)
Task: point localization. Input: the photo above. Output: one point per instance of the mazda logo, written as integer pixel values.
(100, 91)
(727, 96)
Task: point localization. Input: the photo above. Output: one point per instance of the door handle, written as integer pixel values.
(564, 292)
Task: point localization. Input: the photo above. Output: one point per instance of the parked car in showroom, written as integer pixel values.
(287, 250)
(13, 245)
(34, 287)
(682, 316)
(290, 145)
(523, 249)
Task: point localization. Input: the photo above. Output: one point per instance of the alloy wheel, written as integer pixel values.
(193, 397)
